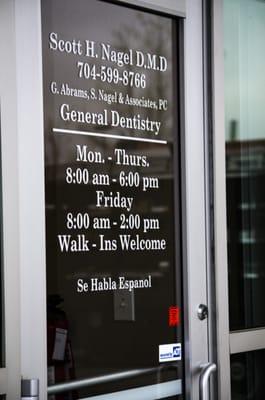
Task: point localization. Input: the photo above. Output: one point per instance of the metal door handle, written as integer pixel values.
(207, 370)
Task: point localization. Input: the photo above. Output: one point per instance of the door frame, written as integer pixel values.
(31, 183)
(23, 195)
(219, 190)
(10, 274)
(195, 199)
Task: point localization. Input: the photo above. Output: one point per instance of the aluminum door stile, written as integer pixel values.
(31, 192)
(196, 340)
(9, 376)
(221, 268)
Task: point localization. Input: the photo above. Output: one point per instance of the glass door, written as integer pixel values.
(116, 260)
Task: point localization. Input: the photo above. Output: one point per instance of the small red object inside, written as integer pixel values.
(173, 316)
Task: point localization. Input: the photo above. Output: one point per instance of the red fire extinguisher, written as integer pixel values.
(60, 356)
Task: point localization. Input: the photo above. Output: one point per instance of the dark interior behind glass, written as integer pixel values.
(96, 337)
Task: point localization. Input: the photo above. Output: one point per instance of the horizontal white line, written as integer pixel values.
(106, 135)
(241, 341)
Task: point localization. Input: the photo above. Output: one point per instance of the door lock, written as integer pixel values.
(202, 312)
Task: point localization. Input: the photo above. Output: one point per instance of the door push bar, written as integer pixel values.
(29, 389)
(207, 370)
(78, 384)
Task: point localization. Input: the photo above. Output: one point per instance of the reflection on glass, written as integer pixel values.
(245, 160)
(247, 375)
(95, 326)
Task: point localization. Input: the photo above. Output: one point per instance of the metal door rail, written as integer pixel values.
(78, 384)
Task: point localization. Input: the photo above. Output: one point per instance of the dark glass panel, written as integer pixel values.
(247, 375)
(110, 175)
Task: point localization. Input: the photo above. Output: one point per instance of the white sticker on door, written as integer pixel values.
(59, 344)
(169, 352)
